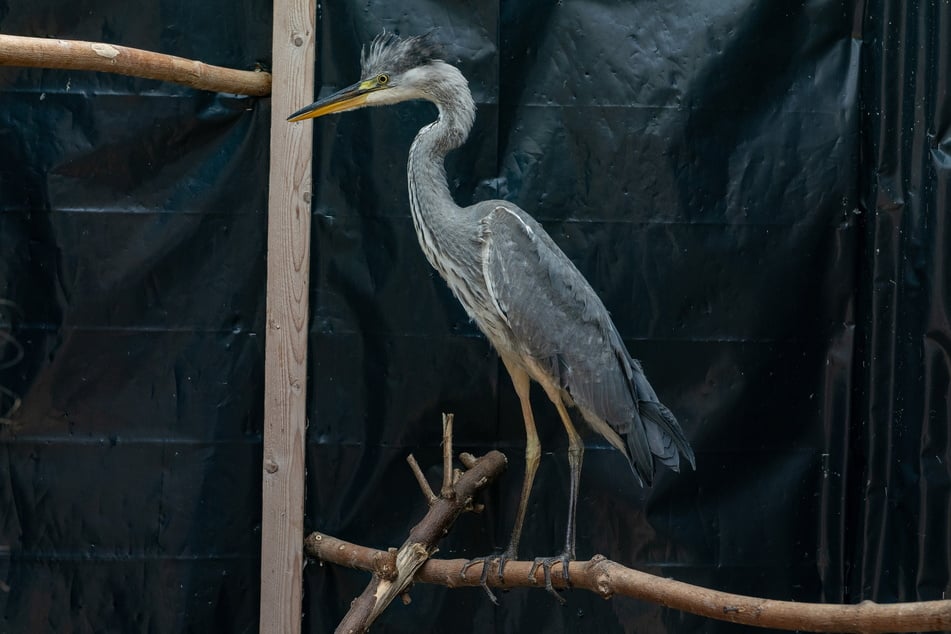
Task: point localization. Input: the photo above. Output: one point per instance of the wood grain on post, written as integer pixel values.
(285, 363)
(37, 52)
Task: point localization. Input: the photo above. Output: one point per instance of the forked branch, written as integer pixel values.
(395, 570)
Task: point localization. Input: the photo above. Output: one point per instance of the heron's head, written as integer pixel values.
(393, 70)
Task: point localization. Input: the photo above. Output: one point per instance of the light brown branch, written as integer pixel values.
(608, 578)
(467, 459)
(421, 479)
(415, 551)
(36, 52)
(447, 474)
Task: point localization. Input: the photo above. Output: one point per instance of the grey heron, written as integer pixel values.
(540, 314)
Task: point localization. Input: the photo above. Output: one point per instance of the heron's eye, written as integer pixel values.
(383, 79)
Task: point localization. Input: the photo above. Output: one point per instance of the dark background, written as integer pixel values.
(758, 190)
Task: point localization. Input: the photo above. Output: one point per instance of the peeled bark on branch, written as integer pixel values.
(395, 570)
(37, 52)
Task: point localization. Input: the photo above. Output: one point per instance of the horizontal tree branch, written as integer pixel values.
(36, 52)
(608, 578)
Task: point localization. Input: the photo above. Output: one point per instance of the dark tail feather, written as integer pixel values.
(656, 432)
(670, 440)
(641, 451)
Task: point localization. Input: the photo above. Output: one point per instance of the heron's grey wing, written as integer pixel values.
(559, 321)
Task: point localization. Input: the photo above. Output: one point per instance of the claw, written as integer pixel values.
(546, 563)
(501, 558)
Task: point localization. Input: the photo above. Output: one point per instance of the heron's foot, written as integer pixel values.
(545, 563)
(500, 559)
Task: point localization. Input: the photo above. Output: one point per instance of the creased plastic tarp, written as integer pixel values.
(758, 191)
(132, 232)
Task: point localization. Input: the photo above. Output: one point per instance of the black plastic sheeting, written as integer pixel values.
(758, 191)
(132, 244)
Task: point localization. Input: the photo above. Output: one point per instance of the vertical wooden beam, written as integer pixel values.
(285, 363)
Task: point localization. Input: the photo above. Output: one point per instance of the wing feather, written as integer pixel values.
(559, 322)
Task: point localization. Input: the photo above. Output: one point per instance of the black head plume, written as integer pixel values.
(390, 53)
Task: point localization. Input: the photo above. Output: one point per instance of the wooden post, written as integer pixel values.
(285, 363)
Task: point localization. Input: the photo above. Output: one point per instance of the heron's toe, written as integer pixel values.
(546, 563)
(499, 559)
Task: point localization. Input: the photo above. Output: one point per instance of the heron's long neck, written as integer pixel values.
(435, 214)
(428, 189)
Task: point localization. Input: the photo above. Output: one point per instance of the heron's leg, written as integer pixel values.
(575, 455)
(533, 452)
(522, 383)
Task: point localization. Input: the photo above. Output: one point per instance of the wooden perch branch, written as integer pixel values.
(395, 570)
(36, 52)
(608, 578)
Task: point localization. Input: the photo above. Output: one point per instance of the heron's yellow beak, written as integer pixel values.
(350, 98)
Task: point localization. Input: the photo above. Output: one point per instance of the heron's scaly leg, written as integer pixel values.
(522, 383)
(575, 455)
(533, 452)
